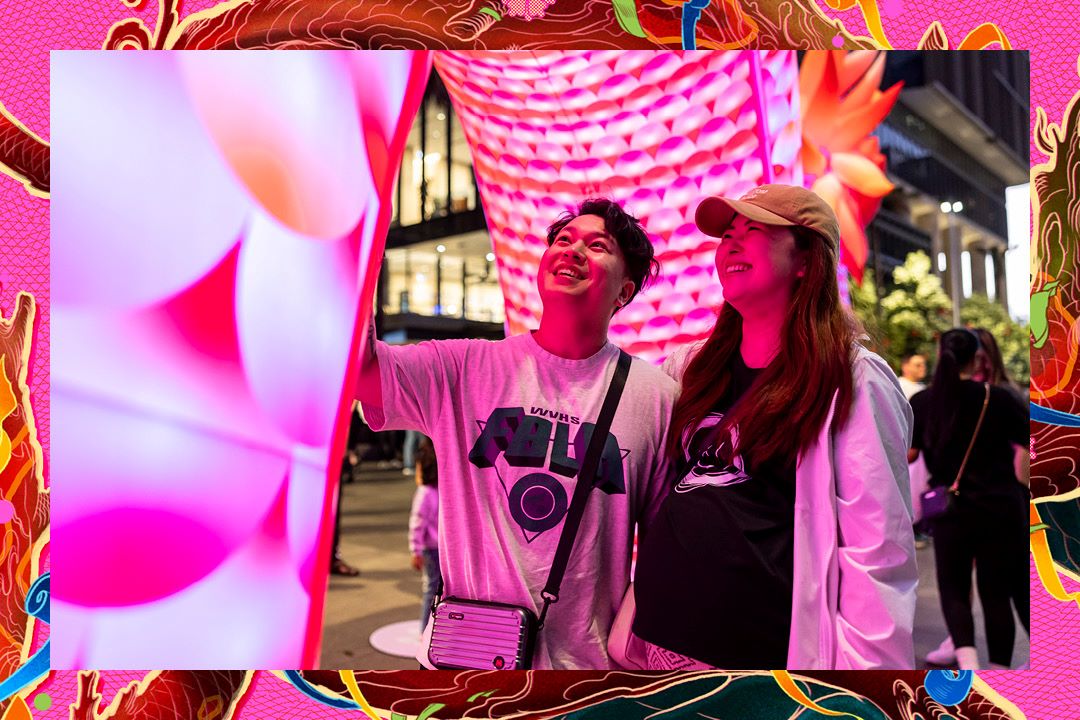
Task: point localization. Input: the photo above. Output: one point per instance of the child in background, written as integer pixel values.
(424, 525)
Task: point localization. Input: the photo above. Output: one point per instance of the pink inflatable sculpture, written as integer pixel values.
(213, 220)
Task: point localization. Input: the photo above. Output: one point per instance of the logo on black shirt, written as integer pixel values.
(714, 460)
(537, 500)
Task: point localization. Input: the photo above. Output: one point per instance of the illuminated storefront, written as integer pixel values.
(438, 277)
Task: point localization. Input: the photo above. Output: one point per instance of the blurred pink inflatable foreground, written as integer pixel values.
(213, 218)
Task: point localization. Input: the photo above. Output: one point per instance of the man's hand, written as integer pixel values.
(418, 562)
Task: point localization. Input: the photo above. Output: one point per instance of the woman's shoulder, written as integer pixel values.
(869, 367)
(920, 399)
(676, 363)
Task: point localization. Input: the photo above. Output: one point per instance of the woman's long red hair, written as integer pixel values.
(784, 411)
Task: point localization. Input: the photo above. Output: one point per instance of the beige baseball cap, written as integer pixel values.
(773, 205)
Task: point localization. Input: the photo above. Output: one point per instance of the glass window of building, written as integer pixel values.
(462, 183)
(449, 277)
(407, 194)
(436, 177)
(436, 128)
(395, 271)
(451, 292)
(484, 297)
(410, 277)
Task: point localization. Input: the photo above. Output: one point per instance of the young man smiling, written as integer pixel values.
(506, 420)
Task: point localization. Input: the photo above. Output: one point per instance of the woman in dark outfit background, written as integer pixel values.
(988, 522)
(787, 540)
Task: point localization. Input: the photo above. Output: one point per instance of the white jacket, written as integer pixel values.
(853, 604)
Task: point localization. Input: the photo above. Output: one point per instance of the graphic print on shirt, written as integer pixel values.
(514, 444)
(711, 466)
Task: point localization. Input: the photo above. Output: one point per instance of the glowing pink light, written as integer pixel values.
(632, 61)
(166, 551)
(610, 147)
(668, 108)
(665, 221)
(626, 123)
(649, 136)
(617, 86)
(674, 150)
(633, 163)
(684, 78)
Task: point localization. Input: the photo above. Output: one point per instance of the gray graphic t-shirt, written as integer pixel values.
(510, 423)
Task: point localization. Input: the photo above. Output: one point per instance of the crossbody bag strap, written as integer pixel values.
(585, 481)
(955, 487)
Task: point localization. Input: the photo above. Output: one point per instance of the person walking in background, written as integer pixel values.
(408, 452)
(987, 522)
(989, 367)
(912, 373)
(349, 462)
(786, 541)
(424, 525)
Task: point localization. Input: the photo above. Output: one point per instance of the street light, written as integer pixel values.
(965, 273)
(955, 264)
(440, 249)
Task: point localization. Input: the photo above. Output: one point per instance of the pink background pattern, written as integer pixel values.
(28, 30)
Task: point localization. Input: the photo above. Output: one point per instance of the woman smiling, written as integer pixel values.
(787, 540)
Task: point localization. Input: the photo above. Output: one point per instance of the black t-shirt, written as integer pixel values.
(989, 469)
(714, 573)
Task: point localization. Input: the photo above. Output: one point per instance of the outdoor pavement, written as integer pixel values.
(374, 538)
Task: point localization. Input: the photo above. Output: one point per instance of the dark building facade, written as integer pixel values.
(956, 139)
(438, 278)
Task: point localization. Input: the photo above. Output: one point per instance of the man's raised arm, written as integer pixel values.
(368, 382)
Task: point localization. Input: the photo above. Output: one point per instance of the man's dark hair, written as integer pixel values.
(910, 354)
(625, 229)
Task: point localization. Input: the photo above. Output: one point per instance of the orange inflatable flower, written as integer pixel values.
(841, 105)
